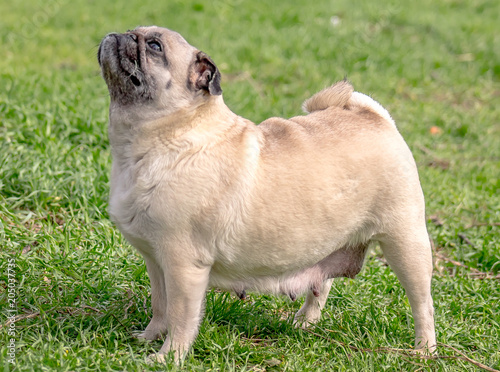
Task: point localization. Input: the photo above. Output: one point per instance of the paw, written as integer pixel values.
(425, 351)
(157, 358)
(154, 331)
(165, 357)
(305, 318)
(147, 335)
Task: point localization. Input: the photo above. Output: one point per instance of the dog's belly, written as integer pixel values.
(344, 262)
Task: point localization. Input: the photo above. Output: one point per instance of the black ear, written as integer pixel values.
(207, 75)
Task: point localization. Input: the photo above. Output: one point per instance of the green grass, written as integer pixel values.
(81, 289)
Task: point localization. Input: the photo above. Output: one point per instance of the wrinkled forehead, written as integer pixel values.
(169, 36)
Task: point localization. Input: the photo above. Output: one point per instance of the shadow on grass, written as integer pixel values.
(256, 317)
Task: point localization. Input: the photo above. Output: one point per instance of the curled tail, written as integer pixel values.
(337, 95)
(342, 94)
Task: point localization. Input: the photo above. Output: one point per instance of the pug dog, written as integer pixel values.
(210, 199)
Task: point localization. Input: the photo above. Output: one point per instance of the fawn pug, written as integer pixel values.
(211, 199)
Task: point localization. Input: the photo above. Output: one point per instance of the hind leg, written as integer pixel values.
(410, 256)
(310, 312)
(344, 262)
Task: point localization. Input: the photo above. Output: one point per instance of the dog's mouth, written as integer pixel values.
(122, 60)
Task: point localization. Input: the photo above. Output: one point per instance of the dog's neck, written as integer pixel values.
(188, 127)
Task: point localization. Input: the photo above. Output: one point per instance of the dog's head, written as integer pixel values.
(157, 70)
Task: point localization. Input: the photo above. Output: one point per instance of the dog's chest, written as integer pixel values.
(141, 194)
(152, 198)
(129, 202)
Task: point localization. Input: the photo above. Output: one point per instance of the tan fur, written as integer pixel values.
(210, 199)
(337, 95)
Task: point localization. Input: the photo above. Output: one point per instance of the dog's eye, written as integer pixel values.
(155, 45)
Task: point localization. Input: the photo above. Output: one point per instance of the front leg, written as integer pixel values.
(157, 327)
(186, 284)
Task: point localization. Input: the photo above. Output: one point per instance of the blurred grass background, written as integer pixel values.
(81, 289)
